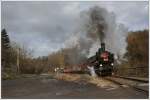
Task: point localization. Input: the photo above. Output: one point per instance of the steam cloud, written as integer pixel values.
(98, 25)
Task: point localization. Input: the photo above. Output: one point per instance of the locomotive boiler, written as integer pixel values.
(102, 61)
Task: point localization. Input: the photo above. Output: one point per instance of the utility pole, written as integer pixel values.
(18, 56)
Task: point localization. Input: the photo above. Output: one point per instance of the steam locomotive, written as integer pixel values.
(103, 61)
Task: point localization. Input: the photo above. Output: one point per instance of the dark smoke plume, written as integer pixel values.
(97, 25)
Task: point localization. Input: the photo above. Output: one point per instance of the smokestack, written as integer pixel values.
(103, 46)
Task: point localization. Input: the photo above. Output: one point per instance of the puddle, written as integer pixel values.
(125, 86)
(113, 88)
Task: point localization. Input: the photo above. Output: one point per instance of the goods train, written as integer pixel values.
(103, 61)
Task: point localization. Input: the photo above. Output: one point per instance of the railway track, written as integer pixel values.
(144, 80)
(130, 82)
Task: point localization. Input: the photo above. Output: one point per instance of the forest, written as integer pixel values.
(16, 60)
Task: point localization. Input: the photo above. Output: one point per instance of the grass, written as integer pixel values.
(84, 78)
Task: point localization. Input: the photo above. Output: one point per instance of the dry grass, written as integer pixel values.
(67, 77)
(100, 82)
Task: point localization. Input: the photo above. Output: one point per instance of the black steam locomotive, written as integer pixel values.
(103, 61)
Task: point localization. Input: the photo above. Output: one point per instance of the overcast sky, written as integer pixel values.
(45, 26)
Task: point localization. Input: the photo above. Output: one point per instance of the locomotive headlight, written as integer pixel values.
(100, 65)
(112, 64)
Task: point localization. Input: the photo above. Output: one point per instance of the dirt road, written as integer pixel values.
(36, 88)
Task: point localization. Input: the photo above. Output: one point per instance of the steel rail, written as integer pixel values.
(132, 78)
(121, 85)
